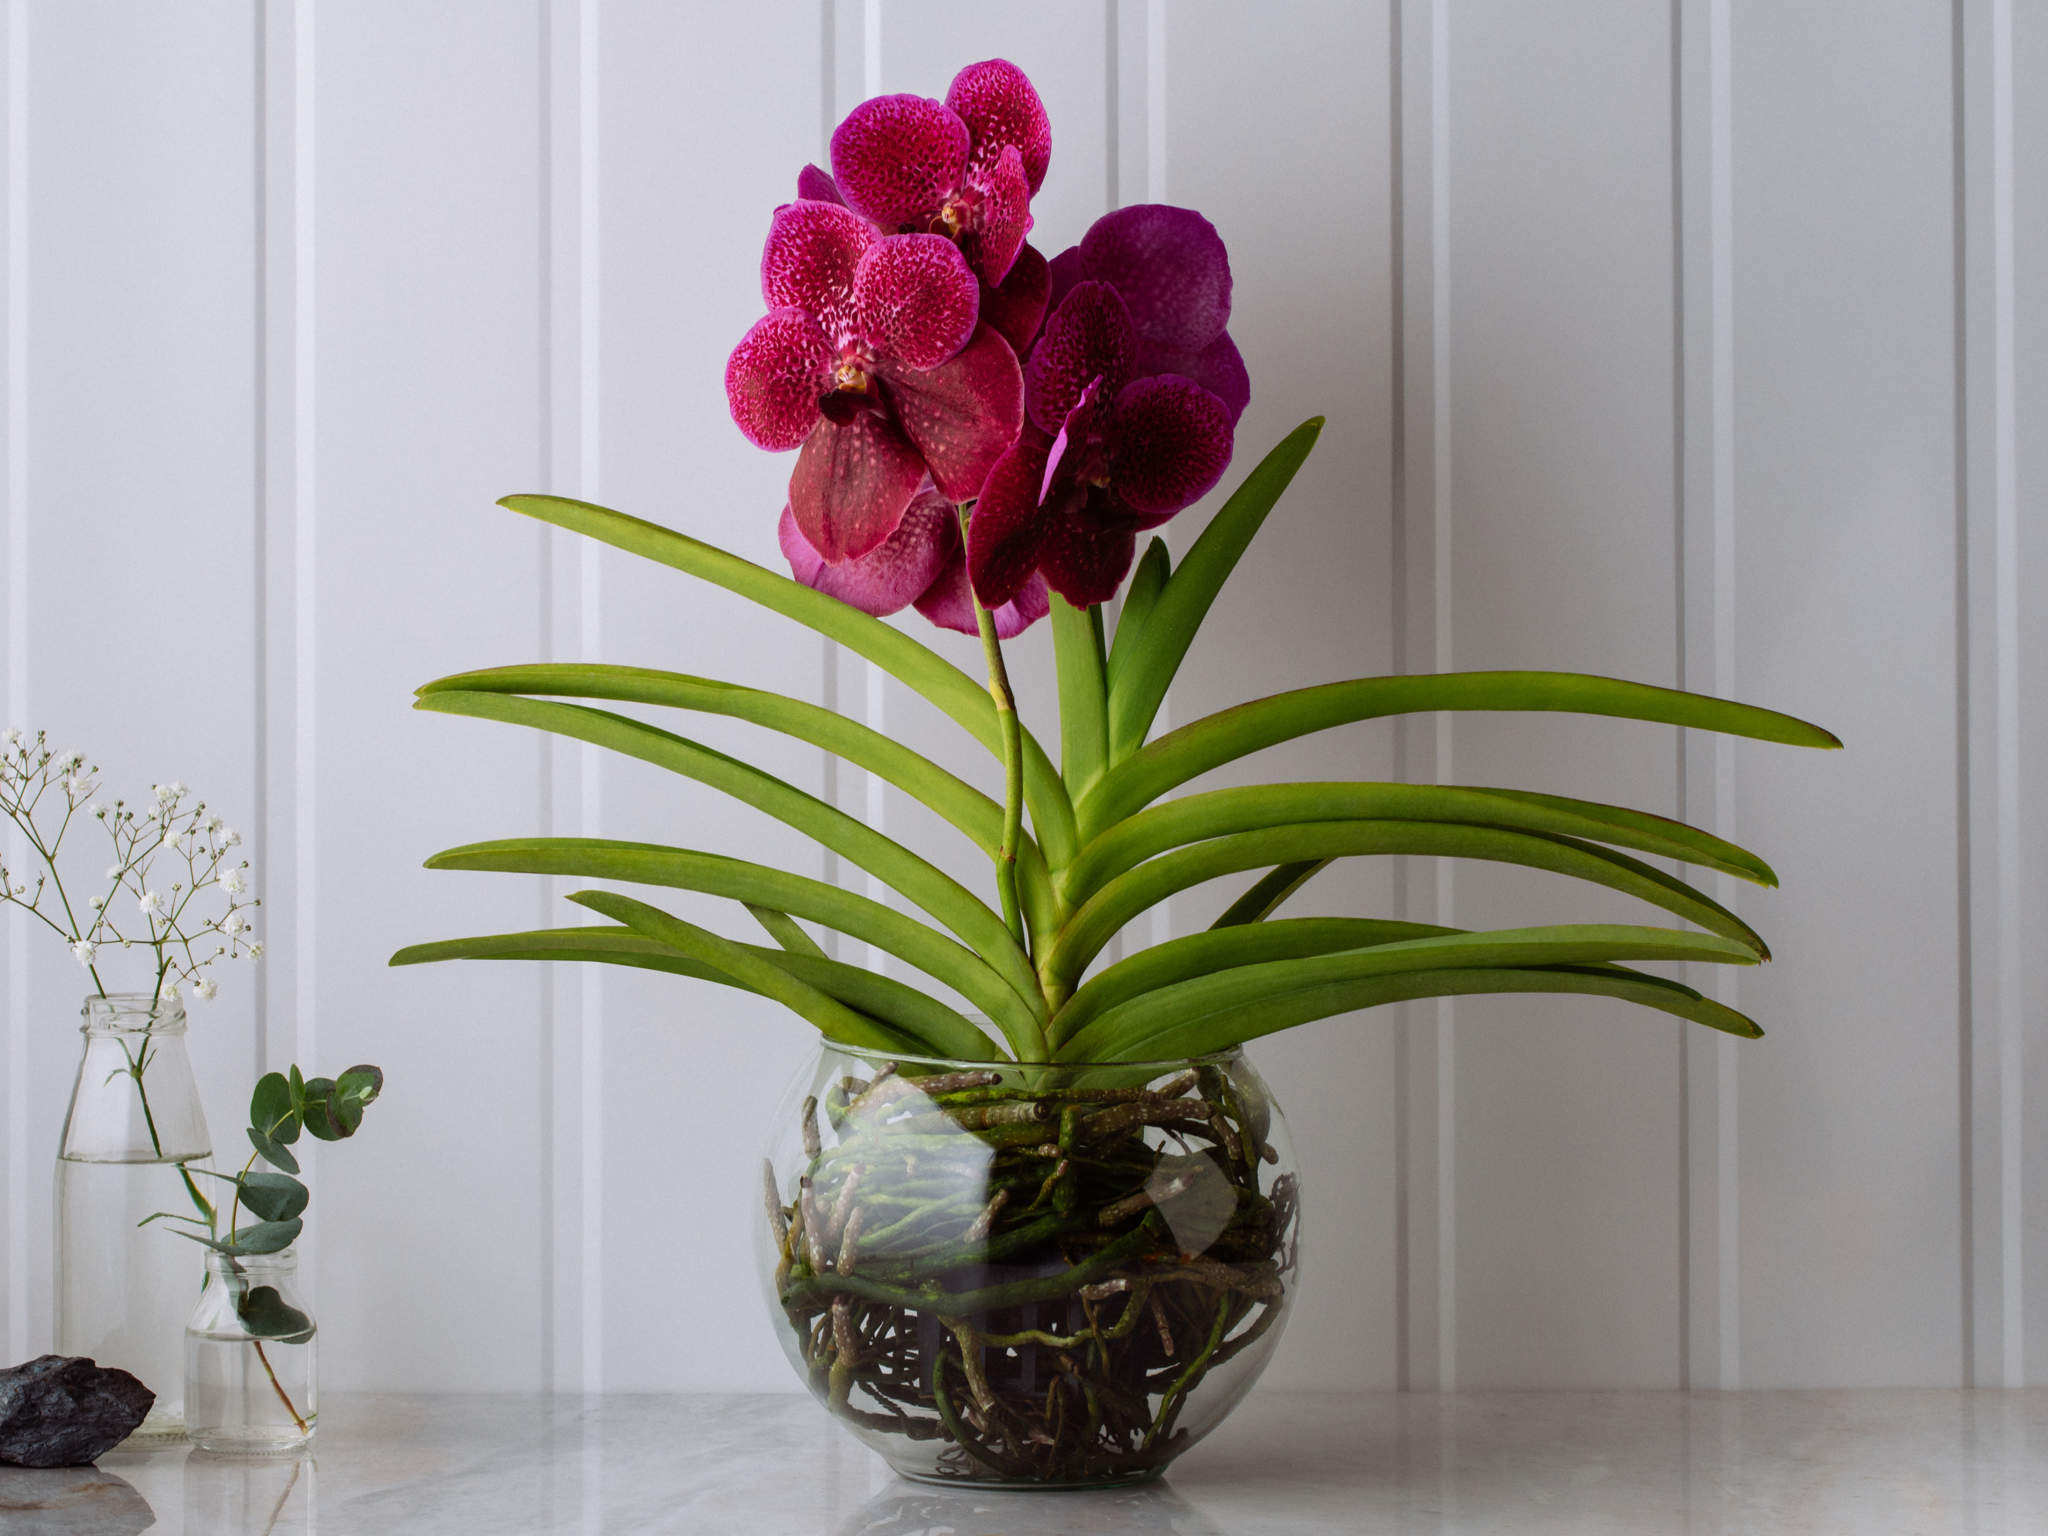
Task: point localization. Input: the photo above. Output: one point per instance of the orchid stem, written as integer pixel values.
(1013, 762)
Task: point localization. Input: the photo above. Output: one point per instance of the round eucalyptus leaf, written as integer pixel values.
(347, 1112)
(271, 1105)
(273, 1196)
(265, 1237)
(320, 1114)
(271, 1152)
(266, 1315)
(361, 1083)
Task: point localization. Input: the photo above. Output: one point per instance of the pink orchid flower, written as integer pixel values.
(922, 562)
(1015, 307)
(1132, 393)
(871, 360)
(966, 168)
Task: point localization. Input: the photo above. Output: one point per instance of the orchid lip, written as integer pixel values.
(850, 377)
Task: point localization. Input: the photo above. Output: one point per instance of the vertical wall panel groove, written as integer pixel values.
(1992, 845)
(1710, 1282)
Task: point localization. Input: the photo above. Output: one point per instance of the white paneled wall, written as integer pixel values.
(1695, 341)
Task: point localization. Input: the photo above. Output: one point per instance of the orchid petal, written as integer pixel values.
(1001, 110)
(1016, 307)
(1005, 216)
(1089, 336)
(809, 261)
(962, 415)
(914, 299)
(1009, 524)
(775, 377)
(890, 577)
(1217, 368)
(818, 186)
(1065, 270)
(1170, 266)
(1085, 561)
(1084, 421)
(1169, 444)
(949, 604)
(852, 483)
(898, 158)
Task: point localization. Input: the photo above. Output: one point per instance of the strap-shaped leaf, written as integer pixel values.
(889, 861)
(1099, 918)
(1147, 582)
(785, 931)
(1217, 949)
(1232, 733)
(1223, 811)
(939, 1030)
(952, 797)
(689, 870)
(1234, 1026)
(1269, 892)
(752, 969)
(903, 658)
(1084, 705)
(1161, 639)
(1131, 1028)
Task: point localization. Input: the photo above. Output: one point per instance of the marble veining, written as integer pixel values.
(1759, 1464)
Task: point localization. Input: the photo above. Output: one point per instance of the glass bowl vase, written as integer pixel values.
(1029, 1275)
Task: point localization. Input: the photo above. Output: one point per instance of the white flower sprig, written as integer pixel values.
(198, 916)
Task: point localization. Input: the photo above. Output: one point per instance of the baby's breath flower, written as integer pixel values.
(255, 950)
(150, 903)
(84, 951)
(233, 924)
(229, 836)
(205, 989)
(233, 883)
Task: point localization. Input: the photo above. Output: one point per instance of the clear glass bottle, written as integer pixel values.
(251, 1358)
(134, 1132)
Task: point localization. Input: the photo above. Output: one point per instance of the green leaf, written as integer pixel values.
(1123, 898)
(903, 658)
(273, 1107)
(1154, 567)
(1214, 740)
(1133, 1028)
(1269, 892)
(1219, 812)
(751, 968)
(1216, 949)
(944, 1031)
(272, 1196)
(320, 1119)
(916, 878)
(952, 797)
(1162, 637)
(1231, 1027)
(783, 929)
(1084, 718)
(266, 1315)
(298, 1085)
(800, 896)
(263, 1237)
(362, 1083)
(272, 1153)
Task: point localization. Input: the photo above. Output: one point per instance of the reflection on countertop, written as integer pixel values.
(1531, 1463)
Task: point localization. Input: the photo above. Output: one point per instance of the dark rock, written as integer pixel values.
(58, 1412)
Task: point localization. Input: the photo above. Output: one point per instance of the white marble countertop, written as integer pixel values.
(1762, 1464)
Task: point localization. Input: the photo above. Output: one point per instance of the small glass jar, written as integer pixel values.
(133, 1135)
(251, 1358)
(1050, 1276)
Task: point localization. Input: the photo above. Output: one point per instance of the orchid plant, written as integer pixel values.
(983, 435)
(1017, 1248)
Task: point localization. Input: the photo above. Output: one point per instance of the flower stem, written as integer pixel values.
(1013, 771)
